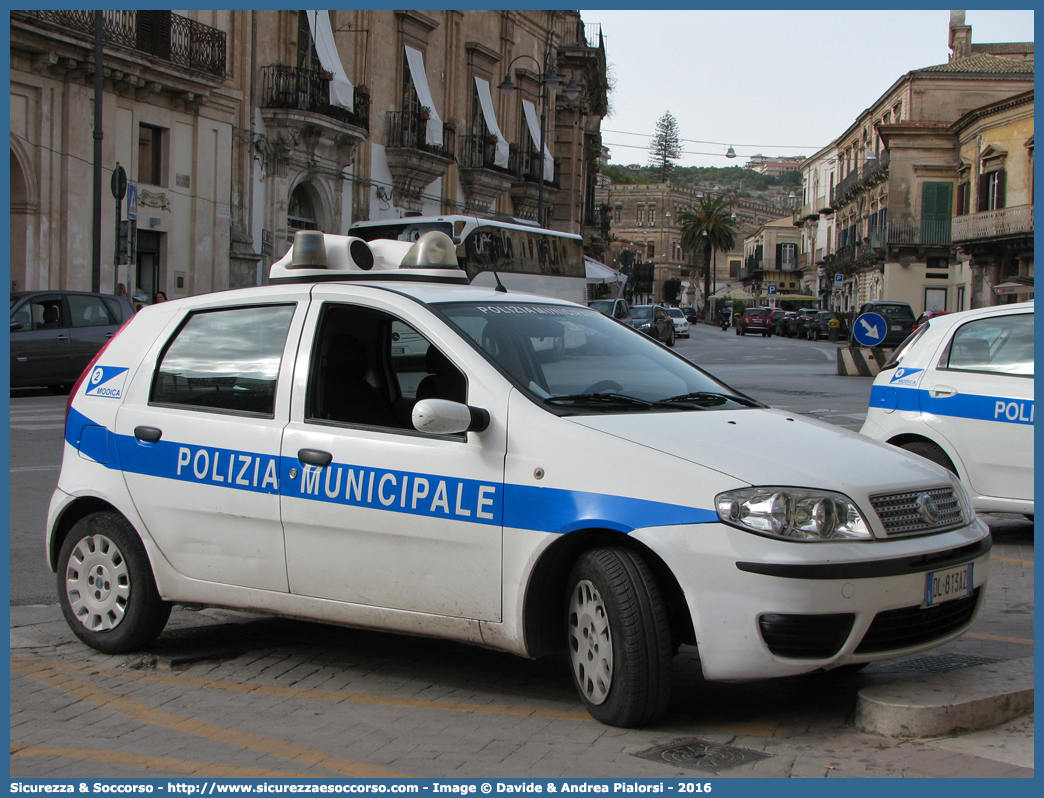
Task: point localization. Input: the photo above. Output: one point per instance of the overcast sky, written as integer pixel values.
(770, 82)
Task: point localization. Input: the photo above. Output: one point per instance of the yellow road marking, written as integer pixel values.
(1021, 641)
(39, 671)
(144, 761)
(350, 698)
(753, 728)
(1012, 559)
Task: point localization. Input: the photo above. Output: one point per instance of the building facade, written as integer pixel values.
(772, 268)
(644, 218)
(993, 221)
(815, 218)
(172, 93)
(239, 128)
(897, 174)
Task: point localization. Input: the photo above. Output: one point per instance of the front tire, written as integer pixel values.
(105, 585)
(670, 339)
(619, 638)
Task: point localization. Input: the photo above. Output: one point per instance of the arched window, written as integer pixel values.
(301, 214)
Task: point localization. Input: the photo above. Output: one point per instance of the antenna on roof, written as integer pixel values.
(500, 285)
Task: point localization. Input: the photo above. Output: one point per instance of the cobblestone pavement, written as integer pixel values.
(225, 694)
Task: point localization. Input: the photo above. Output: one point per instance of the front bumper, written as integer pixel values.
(830, 603)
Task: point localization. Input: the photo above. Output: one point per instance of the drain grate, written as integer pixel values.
(701, 755)
(941, 663)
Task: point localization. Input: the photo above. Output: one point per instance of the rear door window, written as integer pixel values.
(225, 360)
(90, 311)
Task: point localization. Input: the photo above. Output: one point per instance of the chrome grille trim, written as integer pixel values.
(900, 514)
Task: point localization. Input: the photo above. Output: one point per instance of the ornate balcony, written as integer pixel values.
(413, 160)
(163, 35)
(293, 89)
(483, 180)
(998, 224)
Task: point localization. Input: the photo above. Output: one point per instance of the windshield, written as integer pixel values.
(575, 360)
(603, 306)
(641, 312)
(676, 313)
(894, 311)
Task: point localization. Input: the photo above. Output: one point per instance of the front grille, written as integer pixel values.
(893, 630)
(805, 636)
(902, 513)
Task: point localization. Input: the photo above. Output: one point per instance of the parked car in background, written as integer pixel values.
(655, 322)
(929, 314)
(820, 326)
(797, 327)
(613, 308)
(959, 392)
(681, 324)
(898, 315)
(780, 321)
(690, 313)
(757, 320)
(54, 334)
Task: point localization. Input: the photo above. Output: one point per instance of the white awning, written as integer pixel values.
(415, 58)
(600, 273)
(486, 103)
(533, 123)
(342, 92)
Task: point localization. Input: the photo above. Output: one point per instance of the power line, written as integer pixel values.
(723, 143)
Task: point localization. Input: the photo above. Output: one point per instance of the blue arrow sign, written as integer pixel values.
(870, 329)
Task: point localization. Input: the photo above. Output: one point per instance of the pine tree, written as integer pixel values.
(665, 147)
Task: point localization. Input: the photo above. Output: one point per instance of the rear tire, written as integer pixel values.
(105, 585)
(930, 451)
(618, 638)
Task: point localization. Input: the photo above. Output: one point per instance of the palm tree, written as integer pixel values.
(713, 226)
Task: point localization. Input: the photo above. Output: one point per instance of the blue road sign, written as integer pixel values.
(839, 278)
(772, 290)
(870, 329)
(132, 200)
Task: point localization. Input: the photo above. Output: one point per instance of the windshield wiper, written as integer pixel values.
(711, 398)
(604, 399)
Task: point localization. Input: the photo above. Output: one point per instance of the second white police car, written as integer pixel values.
(278, 449)
(959, 391)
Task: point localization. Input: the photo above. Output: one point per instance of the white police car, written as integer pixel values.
(959, 391)
(272, 449)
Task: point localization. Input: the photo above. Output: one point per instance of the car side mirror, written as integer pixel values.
(443, 417)
(16, 325)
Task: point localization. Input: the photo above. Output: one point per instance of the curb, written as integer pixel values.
(958, 701)
(861, 361)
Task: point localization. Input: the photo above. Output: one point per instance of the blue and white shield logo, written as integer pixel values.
(106, 381)
(905, 376)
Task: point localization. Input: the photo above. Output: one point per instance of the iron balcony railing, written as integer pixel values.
(527, 166)
(993, 224)
(409, 130)
(914, 232)
(297, 89)
(169, 37)
(479, 151)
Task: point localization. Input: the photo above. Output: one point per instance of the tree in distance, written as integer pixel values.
(709, 226)
(666, 147)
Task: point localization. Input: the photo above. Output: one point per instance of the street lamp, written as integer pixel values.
(549, 79)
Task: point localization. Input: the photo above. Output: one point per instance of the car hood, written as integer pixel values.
(773, 447)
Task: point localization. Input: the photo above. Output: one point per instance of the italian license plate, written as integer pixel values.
(398, 350)
(940, 586)
(897, 326)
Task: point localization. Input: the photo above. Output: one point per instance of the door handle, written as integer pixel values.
(942, 391)
(61, 337)
(109, 335)
(148, 434)
(314, 457)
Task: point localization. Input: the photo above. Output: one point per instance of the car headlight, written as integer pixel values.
(793, 514)
(967, 510)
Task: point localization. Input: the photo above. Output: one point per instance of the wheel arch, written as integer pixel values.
(913, 437)
(543, 620)
(73, 512)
